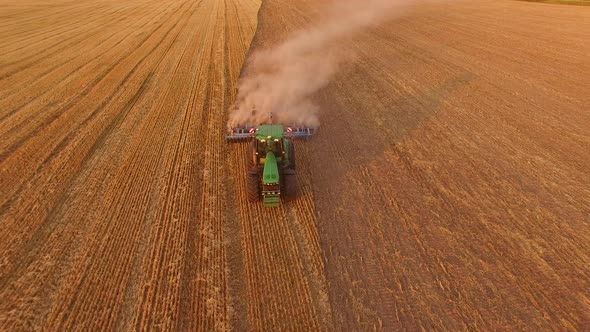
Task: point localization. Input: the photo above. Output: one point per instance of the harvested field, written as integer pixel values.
(448, 187)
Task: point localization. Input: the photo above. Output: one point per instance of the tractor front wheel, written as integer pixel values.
(289, 184)
(292, 155)
(253, 185)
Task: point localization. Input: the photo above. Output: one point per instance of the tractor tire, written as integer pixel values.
(253, 185)
(289, 184)
(252, 154)
(292, 155)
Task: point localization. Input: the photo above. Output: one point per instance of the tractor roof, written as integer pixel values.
(270, 131)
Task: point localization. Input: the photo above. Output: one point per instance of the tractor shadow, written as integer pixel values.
(339, 161)
(347, 141)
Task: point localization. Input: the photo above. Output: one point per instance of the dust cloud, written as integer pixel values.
(283, 79)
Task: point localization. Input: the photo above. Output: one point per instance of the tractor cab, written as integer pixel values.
(268, 138)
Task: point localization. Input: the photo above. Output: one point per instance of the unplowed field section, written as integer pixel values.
(448, 187)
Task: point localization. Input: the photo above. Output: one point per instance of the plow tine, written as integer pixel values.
(238, 135)
(244, 134)
(299, 132)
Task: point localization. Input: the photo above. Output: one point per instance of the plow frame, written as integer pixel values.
(245, 134)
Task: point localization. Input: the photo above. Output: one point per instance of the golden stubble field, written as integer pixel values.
(448, 187)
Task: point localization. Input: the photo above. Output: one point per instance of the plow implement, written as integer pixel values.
(244, 134)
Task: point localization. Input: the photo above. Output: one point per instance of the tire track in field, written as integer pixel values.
(121, 228)
(207, 281)
(72, 135)
(47, 239)
(101, 12)
(68, 25)
(59, 49)
(31, 18)
(52, 155)
(280, 259)
(45, 90)
(237, 42)
(46, 93)
(50, 242)
(175, 242)
(56, 48)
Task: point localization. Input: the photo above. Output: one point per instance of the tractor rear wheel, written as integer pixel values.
(253, 185)
(292, 155)
(289, 184)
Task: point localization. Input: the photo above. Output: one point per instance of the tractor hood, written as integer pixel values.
(270, 174)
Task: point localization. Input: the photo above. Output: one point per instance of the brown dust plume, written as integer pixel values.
(283, 79)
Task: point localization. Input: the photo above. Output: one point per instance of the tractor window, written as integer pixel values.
(262, 148)
(278, 147)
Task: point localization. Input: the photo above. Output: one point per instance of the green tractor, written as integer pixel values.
(271, 161)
